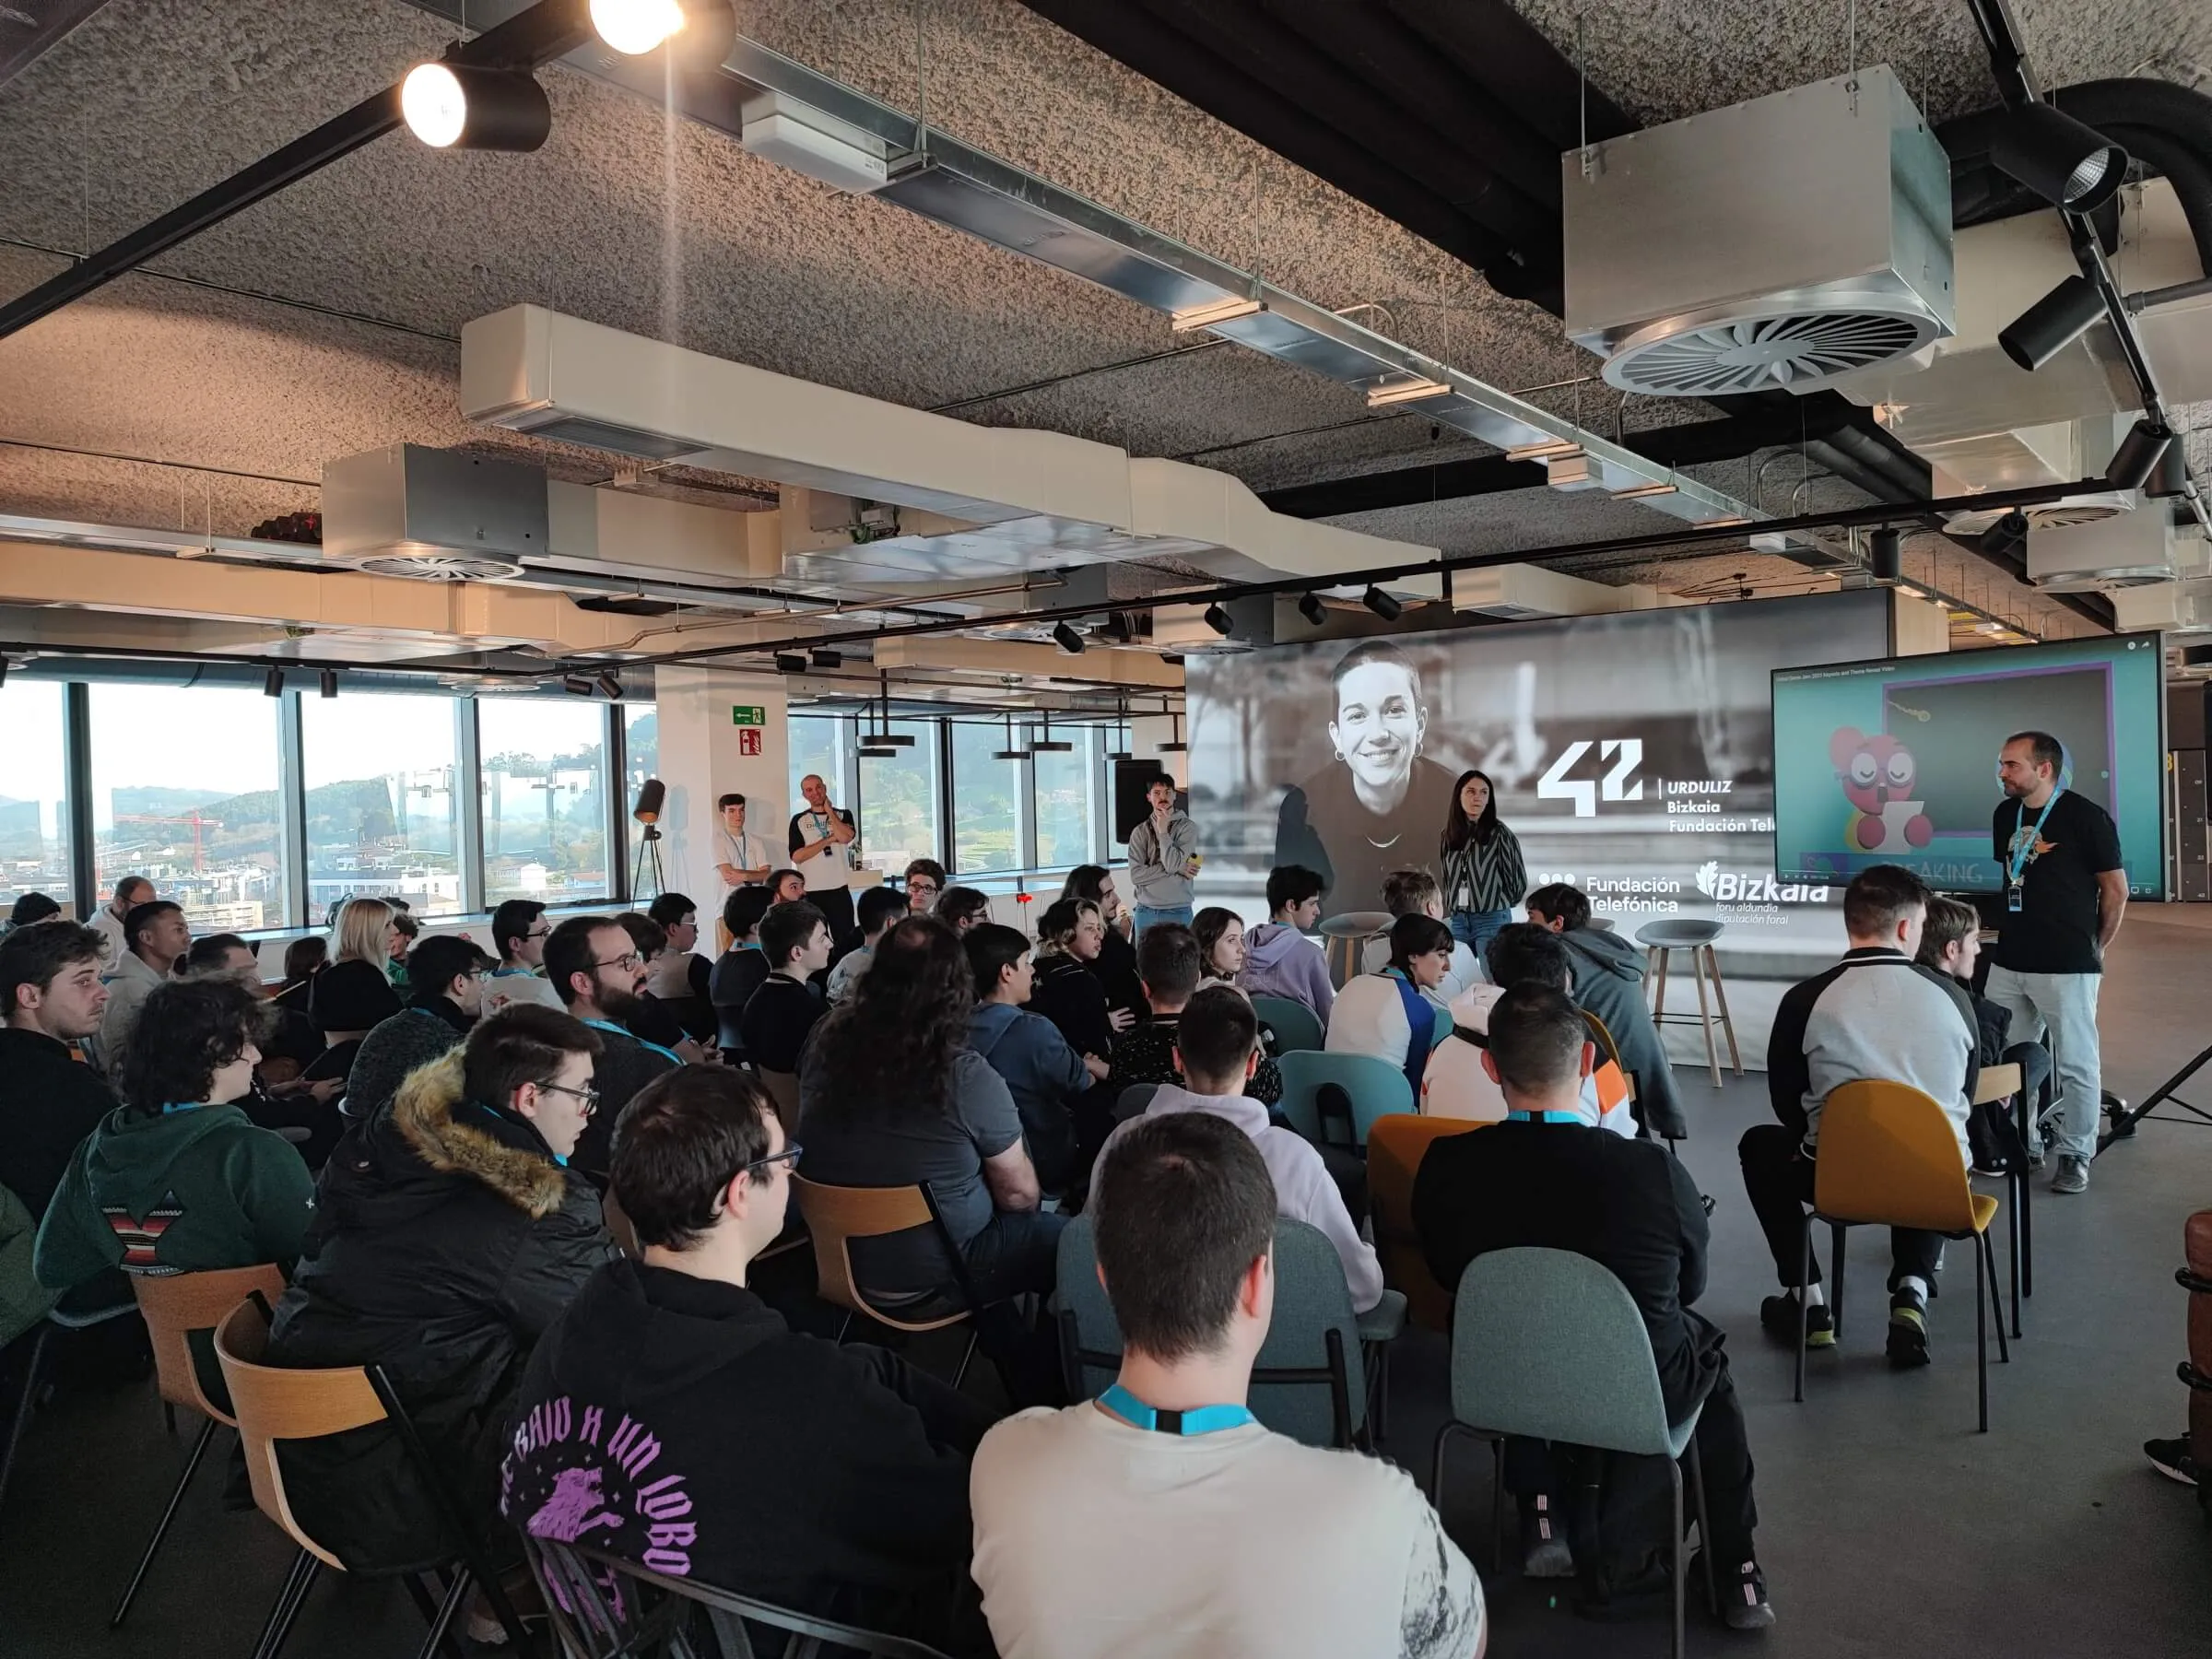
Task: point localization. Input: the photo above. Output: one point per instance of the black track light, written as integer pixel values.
(2006, 535)
(460, 106)
(1887, 549)
(273, 685)
(790, 662)
(1312, 609)
(826, 659)
(611, 683)
(1384, 606)
(576, 685)
(329, 678)
(2138, 454)
(2053, 323)
(2171, 478)
(2068, 164)
(1216, 618)
(1067, 639)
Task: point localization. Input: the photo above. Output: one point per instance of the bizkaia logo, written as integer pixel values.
(1752, 887)
(1619, 784)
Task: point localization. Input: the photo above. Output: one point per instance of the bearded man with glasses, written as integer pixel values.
(594, 966)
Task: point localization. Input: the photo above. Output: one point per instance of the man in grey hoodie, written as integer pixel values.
(1163, 858)
(1608, 982)
(1041, 1072)
(1279, 961)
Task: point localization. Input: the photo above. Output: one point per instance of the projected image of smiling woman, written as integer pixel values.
(1361, 817)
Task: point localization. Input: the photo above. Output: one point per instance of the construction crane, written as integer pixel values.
(193, 817)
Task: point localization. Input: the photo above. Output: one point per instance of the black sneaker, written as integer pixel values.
(1744, 1604)
(2172, 1459)
(1778, 1315)
(1544, 1550)
(1908, 1344)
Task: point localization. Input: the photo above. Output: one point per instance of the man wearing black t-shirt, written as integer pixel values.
(2063, 895)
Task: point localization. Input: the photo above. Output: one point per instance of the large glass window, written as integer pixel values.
(640, 748)
(545, 799)
(382, 819)
(34, 817)
(899, 805)
(1066, 787)
(818, 745)
(985, 835)
(184, 793)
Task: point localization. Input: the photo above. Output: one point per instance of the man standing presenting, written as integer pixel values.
(2064, 893)
(1163, 858)
(107, 921)
(823, 844)
(740, 859)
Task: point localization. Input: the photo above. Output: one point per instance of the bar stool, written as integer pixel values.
(1659, 940)
(1346, 934)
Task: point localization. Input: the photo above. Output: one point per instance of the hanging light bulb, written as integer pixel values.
(636, 27)
(460, 106)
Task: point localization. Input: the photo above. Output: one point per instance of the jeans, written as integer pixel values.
(1778, 1179)
(1146, 915)
(1016, 1256)
(2065, 1005)
(1475, 929)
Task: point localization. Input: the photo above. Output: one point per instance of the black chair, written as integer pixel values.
(606, 1608)
(23, 1372)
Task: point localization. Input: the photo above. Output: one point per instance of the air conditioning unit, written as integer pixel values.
(1779, 244)
(2124, 550)
(2170, 607)
(438, 516)
(2064, 513)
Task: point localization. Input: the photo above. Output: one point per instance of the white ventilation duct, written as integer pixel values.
(1522, 592)
(1779, 244)
(2125, 550)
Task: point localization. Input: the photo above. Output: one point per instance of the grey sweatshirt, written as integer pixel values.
(1156, 872)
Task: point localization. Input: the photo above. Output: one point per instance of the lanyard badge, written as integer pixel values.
(2022, 853)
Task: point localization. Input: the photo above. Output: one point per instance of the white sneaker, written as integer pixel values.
(2073, 1175)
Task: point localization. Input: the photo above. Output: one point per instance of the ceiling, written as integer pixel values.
(325, 320)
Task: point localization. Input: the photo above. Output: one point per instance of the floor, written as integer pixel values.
(1887, 1523)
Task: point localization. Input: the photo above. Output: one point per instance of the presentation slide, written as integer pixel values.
(1895, 761)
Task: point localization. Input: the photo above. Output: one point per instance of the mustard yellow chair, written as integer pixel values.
(1890, 1157)
(1396, 1144)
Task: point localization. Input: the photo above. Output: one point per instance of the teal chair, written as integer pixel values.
(1293, 1025)
(1375, 1088)
(1547, 1344)
(1310, 1380)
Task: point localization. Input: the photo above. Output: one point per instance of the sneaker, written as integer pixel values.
(1544, 1550)
(2073, 1175)
(2172, 1459)
(1994, 1171)
(1744, 1604)
(1778, 1315)
(1908, 1344)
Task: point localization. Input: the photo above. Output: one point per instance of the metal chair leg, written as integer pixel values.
(2015, 1185)
(1674, 1470)
(169, 1416)
(960, 1375)
(1697, 1488)
(286, 1608)
(1836, 1255)
(1498, 1510)
(1720, 996)
(844, 1325)
(1804, 1275)
(1436, 1479)
(1712, 1057)
(1996, 1295)
(192, 1463)
(1982, 1336)
(2027, 1267)
(445, 1612)
(34, 1366)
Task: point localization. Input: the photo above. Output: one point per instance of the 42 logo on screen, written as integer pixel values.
(1620, 783)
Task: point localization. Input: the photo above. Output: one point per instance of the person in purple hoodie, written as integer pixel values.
(1279, 961)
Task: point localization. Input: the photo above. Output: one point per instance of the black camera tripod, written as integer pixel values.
(649, 858)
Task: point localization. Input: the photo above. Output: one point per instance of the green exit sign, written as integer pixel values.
(751, 714)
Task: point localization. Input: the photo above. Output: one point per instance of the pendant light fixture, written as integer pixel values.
(1046, 745)
(1179, 745)
(1010, 752)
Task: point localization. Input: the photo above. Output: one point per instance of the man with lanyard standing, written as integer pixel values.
(2064, 893)
(595, 966)
(823, 842)
(740, 858)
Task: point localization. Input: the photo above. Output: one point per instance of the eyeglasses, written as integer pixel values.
(539, 934)
(587, 1097)
(628, 961)
(790, 1155)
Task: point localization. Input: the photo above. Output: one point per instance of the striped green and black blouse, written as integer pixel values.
(1485, 876)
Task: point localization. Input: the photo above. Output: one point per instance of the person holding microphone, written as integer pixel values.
(823, 851)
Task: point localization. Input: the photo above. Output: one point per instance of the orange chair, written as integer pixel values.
(1395, 1146)
(836, 1214)
(1890, 1157)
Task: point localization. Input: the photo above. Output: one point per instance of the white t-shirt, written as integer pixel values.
(109, 926)
(833, 866)
(507, 986)
(744, 851)
(1368, 1017)
(1096, 1540)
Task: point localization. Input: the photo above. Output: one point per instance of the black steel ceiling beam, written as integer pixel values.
(527, 40)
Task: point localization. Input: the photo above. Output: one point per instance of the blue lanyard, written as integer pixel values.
(608, 1025)
(1545, 1117)
(2017, 866)
(1204, 1419)
(180, 1106)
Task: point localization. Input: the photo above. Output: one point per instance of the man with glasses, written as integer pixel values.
(445, 996)
(832, 1480)
(448, 1235)
(925, 881)
(594, 967)
(519, 931)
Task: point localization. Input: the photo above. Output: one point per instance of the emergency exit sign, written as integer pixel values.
(747, 714)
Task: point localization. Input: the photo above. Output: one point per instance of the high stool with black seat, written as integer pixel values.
(1348, 934)
(1660, 940)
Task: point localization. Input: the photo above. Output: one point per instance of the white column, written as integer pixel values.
(1147, 732)
(704, 755)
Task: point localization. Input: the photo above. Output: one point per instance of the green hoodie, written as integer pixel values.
(181, 1193)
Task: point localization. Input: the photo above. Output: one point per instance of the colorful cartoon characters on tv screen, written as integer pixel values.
(1879, 775)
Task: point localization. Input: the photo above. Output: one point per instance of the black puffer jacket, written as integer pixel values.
(447, 1239)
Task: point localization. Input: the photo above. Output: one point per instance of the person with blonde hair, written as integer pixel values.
(354, 995)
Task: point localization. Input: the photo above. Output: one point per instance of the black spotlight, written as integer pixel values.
(576, 685)
(2053, 323)
(612, 685)
(1067, 639)
(2067, 164)
(1312, 609)
(2138, 454)
(2171, 478)
(1888, 549)
(273, 685)
(1384, 605)
(2006, 535)
(826, 659)
(329, 676)
(460, 106)
(1217, 619)
(790, 662)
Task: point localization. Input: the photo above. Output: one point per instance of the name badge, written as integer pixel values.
(2013, 896)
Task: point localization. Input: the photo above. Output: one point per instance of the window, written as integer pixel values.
(184, 793)
(34, 815)
(1066, 786)
(818, 746)
(640, 748)
(382, 816)
(899, 805)
(984, 833)
(545, 799)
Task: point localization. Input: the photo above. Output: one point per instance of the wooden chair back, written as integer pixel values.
(783, 1088)
(836, 1214)
(1395, 1146)
(618, 1225)
(174, 1305)
(1889, 1155)
(1997, 1083)
(277, 1402)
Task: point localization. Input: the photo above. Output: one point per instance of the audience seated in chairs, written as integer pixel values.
(1069, 936)
(1046, 1077)
(794, 938)
(50, 997)
(155, 938)
(1548, 1177)
(1392, 1015)
(1216, 1052)
(597, 972)
(1949, 945)
(175, 1180)
(1608, 982)
(304, 958)
(893, 1095)
(354, 995)
(961, 908)
(519, 932)
(1161, 1519)
(1457, 1084)
(1416, 893)
(1876, 1013)
(1168, 961)
(300, 1107)
(1279, 959)
(682, 978)
(653, 1020)
(447, 1237)
(1116, 963)
(830, 1480)
(876, 910)
(738, 971)
(445, 996)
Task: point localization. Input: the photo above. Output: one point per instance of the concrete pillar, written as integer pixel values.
(706, 753)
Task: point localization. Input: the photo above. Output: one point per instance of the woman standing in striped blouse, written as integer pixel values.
(1484, 875)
